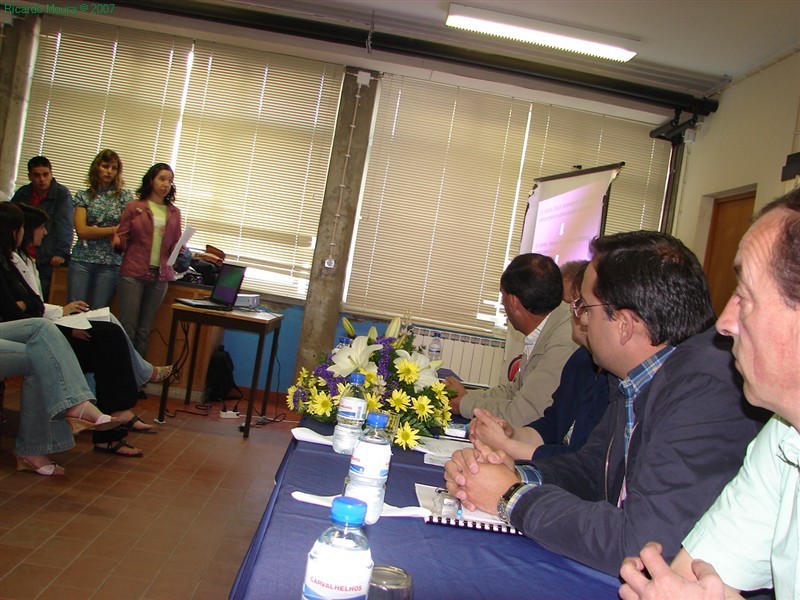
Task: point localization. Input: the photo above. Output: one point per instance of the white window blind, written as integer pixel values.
(248, 133)
(448, 176)
(258, 197)
(96, 86)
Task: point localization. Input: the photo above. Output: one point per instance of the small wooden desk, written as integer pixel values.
(261, 323)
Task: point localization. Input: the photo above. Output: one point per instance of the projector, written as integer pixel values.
(247, 300)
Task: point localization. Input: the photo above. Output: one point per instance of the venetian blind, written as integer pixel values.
(95, 86)
(448, 177)
(248, 134)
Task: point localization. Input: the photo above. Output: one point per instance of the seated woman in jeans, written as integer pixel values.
(147, 234)
(101, 349)
(56, 402)
(35, 228)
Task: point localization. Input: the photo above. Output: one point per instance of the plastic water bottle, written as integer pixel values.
(369, 466)
(344, 342)
(340, 563)
(435, 347)
(351, 415)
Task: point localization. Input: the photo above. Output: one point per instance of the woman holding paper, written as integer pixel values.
(101, 350)
(148, 232)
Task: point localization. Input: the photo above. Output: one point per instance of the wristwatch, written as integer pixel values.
(502, 504)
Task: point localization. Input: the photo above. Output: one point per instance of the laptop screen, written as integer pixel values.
(229, 282)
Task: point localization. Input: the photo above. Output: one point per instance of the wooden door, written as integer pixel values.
(730, 219)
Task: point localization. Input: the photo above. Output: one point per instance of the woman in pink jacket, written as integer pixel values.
(148, 231)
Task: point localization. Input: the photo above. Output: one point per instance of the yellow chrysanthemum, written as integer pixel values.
(290, 396)
(422, 406)
(406, 437)
(407, 370)
(320, 404)
(373, 402)
(399, 401)
(442, 416)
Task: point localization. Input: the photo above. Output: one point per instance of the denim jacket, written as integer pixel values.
(136, 234)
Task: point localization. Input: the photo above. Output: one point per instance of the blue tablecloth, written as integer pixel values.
(445, 562)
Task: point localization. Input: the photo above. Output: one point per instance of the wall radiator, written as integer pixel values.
(475, 359)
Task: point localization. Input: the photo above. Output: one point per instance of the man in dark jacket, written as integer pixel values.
(55, 199)
(670, 440)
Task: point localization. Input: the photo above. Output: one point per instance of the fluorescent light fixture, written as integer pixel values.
(561, 37)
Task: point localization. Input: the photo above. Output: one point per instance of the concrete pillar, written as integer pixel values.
(17, 60)
(345, 174)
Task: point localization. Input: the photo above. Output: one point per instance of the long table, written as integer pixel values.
(445, 562)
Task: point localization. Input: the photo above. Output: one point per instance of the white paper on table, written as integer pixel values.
(304, 434)
(388, 509)
(185, 237)
(440, 447)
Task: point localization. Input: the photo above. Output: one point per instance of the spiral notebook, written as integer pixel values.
(469, 519)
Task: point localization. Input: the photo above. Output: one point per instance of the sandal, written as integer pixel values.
(160, 374)
(115, 447)
(129, 426)
(24, 464)
(102, 423)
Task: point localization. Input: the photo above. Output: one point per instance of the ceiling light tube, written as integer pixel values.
(531, 31)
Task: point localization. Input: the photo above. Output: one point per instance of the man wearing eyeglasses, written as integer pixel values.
(668, 443)
(750, 537)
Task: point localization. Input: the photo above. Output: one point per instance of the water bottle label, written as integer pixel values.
(371, 460)
(333, 575)
(353, 408)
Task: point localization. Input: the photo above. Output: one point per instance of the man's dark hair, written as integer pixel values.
(536, 280)
(785, 259)
(657, 277)
(38, 161)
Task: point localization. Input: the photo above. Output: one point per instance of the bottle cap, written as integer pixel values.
(348, 511)
(357, 378)
(377, 419)
(344, 340)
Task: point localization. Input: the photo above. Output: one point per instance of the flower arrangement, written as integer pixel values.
(399, 380)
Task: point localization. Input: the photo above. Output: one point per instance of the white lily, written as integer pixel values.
(352, 358)
(393, 329)
(427, 370)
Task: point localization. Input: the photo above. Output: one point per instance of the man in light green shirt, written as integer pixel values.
(750, 537)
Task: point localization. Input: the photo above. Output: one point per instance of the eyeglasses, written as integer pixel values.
(580, 308)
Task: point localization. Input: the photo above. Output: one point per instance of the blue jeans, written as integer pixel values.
(53, 382)
(92, 281)
(138, 305)
(142, 370)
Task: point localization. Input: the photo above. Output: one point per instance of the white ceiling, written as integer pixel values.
(696, 42)
(688, 47)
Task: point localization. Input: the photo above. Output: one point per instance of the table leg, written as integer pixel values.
(192, 363)
(272, 354)
(254, 384)
(165, 386)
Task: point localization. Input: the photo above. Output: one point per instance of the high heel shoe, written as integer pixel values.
(23, 464)
(102, 423)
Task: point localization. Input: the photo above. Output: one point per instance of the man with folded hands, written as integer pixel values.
(750, 537)
(674, 434)
(531, 291)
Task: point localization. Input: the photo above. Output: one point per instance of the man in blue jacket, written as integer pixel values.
(53, 198)
(670, 440)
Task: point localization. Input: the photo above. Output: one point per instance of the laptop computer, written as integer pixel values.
(223, 296)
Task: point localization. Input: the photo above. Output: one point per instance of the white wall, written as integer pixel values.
(741, 147)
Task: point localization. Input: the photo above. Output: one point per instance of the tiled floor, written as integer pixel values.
(173, 524)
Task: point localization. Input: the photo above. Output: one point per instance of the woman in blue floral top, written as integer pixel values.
(94, 268)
